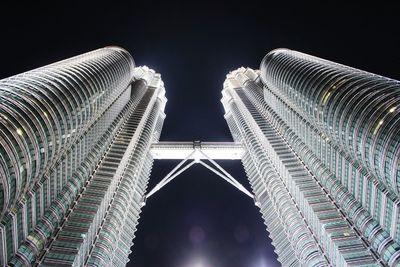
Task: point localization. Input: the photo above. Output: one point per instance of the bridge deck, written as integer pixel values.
(181, 150)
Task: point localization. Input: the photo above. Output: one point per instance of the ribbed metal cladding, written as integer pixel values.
(317, 162)
(293, 240)
(357, 110)
(44, 110)
(55, 123)
(291, 162)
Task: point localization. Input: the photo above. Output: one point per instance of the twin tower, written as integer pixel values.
(319, 141)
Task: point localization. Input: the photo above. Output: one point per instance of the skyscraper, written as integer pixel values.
(74, 159)
(322, 144)
(319, 141)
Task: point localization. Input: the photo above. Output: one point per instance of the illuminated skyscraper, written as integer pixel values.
(74, 159)
(320, 143)
(322, 151)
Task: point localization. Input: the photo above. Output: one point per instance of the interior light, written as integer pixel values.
(20, 132)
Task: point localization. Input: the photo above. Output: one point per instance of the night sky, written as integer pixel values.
(199, 217)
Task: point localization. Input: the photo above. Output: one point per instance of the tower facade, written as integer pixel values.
(322, 144)
(74, 159)
(319, 141)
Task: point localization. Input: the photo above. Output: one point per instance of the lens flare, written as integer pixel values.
(198, 261)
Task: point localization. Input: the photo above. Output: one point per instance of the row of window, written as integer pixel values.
(317, 208)
(352, 175)
(45, 192)
(83, 96)
(45, 108)
(359, 110)
(45, 227)
(120, 223)
(304, 245)
(91, 207)
(372, 195)
(105, 220)
(389, 250)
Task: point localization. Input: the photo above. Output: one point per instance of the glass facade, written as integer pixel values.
(321, 142)
(74, 158)
(323, 151)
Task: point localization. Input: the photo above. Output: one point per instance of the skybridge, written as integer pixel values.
(196, 152)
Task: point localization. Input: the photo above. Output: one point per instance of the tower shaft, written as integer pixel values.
(322, 155)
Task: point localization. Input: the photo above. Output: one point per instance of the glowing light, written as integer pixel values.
(260, 262)
(197, 261)
(198, 264)
(45, 114)
(325, 98)
(20, 132)
(392, 109)
(378, 126)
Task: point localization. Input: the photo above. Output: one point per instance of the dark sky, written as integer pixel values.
(193, 46)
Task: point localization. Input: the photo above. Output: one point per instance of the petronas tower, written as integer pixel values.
(319, 141)
(74, 161)
(322, 144)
